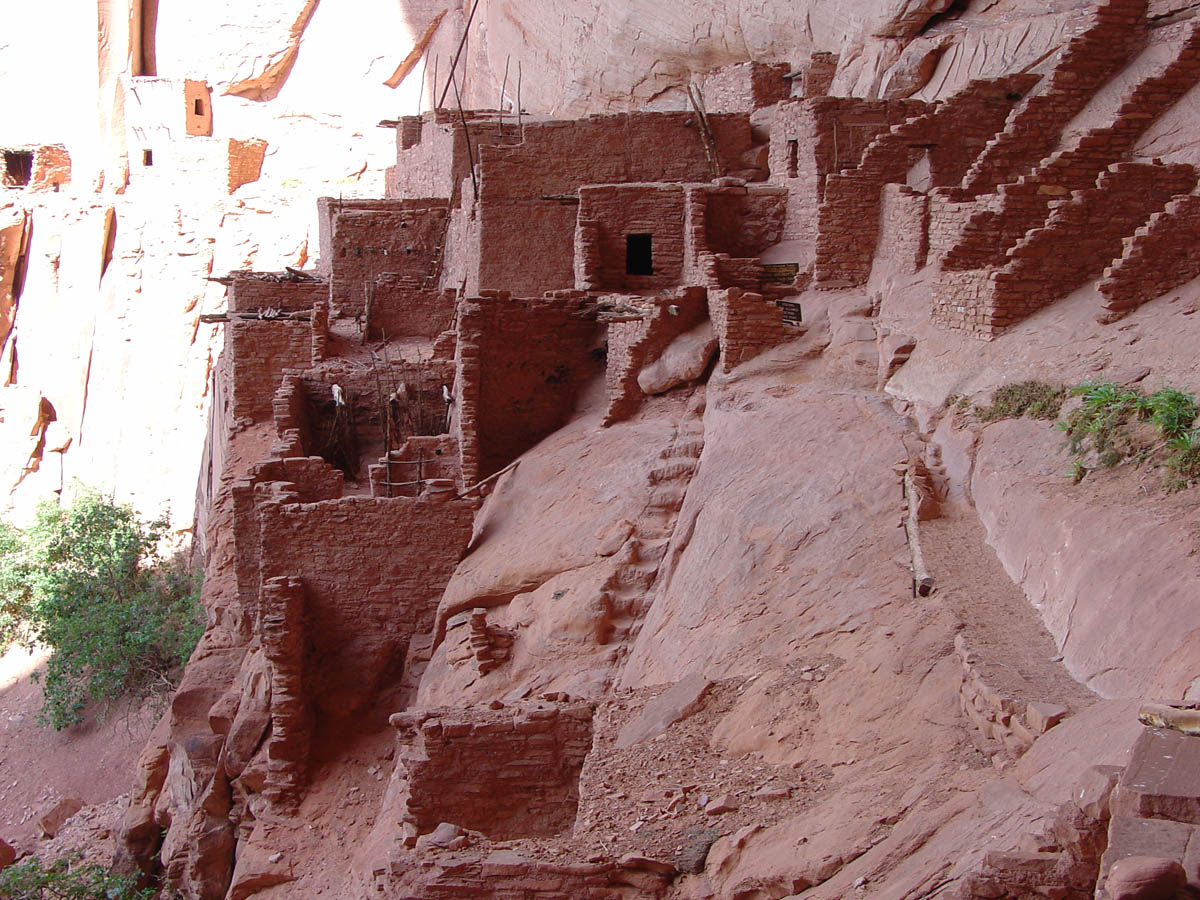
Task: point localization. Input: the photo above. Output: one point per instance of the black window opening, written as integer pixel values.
(793, 158)
(18, 167)
(147, 157)
(198, 107)
(639, 256)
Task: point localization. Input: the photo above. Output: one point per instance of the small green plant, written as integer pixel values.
(1077, 472)
(1035, 399)
(87, 581)
(66, 880)
(1119, 425)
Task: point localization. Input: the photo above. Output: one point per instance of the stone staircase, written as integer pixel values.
(627, 591)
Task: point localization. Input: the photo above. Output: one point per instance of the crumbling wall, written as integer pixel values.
(634, 344)
(388, 249)
(367, 597)
(815, 137)
(251, 294)
(745, 324)
(509, 773)
(1160, 255)
(743, 221)
(521, 363)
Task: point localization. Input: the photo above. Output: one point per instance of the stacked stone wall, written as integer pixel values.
(745, 324)
(633, 345)
(521, 363)
(1160, 255)
(366, 598)
(508, 773)
(744, 87)
(611, 212)
(526, 218)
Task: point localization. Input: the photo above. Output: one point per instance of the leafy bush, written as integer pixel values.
(1034, 399)
(118, 617)
(29, 880)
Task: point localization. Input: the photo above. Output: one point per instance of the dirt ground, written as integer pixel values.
(93, 762)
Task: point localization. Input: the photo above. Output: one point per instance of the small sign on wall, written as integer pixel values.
(791, 312)
(780, 273)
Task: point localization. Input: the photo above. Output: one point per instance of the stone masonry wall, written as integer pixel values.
(1159, 256)
(1093, 222)
(744, 87)
(526, 229)
(611, 212)
(904, 228)
(365, 598)
(745, 324)
(249, 294)
(521, 363)
(396, 242)
(633, 345)
(508, 773)
(816, 137)
(258, 351)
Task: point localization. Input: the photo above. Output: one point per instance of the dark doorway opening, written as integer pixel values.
(793, 158)
(198, 107)
(639, 255)
(18, 167)
(147, 157)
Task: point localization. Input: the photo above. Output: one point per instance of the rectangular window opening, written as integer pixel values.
(639, 256)
(793, 158)
(18, 167)
(147, 157)
(198, 107)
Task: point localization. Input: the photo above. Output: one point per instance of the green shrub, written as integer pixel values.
(29, 880)
(1034, 399)
(117, 617)
(1120, 425)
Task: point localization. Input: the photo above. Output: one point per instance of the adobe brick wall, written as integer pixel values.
(745, 324)
(816, 76)
(904, 227)
(1159, 256)
(432, 158)
(634, 345)
(396, 244)
(612, 211)
(525, 244)
(365, 598)
(744, 87)
(521, 363)
(398, 310)
(508, 773)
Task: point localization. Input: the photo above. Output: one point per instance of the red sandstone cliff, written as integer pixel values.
(554, 521)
